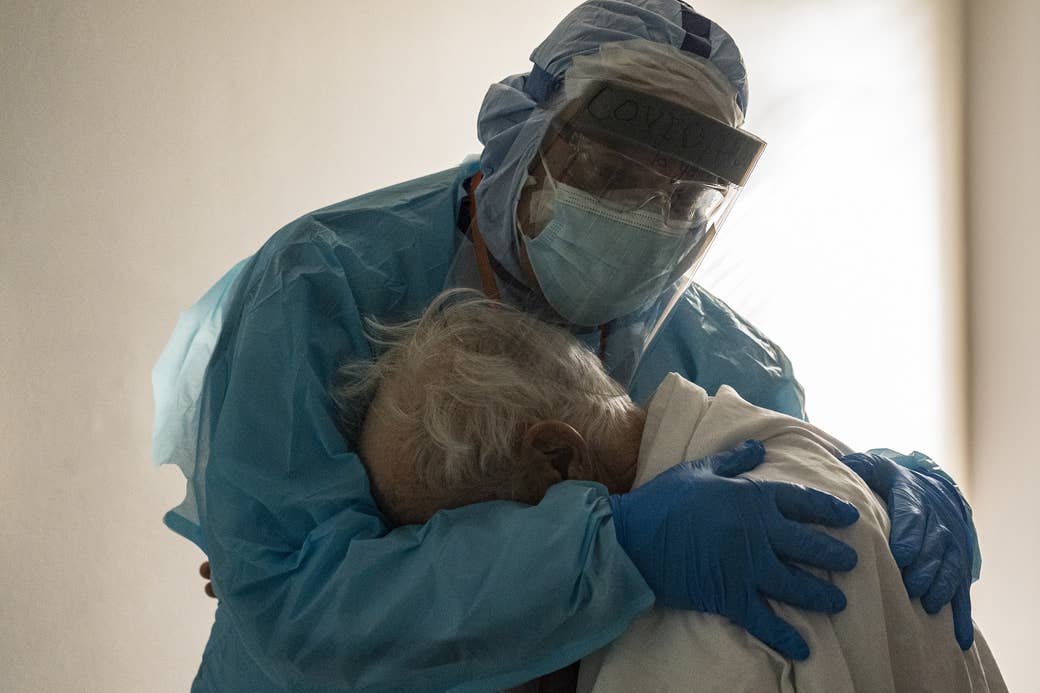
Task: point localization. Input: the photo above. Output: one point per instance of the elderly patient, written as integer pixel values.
(477, 402)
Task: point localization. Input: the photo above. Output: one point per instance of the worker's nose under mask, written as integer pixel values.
(595, 264)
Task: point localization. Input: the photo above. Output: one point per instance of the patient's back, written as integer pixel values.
(882, 641)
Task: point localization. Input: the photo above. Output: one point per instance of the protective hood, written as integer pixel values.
(516, 112)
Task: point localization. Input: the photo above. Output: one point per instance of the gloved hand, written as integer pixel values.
(708, 542)
(929, 536)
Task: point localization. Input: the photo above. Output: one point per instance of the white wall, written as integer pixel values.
(1003, 161)
(145, 147)
(845, 247)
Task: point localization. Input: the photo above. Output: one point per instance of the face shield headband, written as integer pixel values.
(615, 113)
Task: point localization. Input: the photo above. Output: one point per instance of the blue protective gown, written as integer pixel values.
(315, 592)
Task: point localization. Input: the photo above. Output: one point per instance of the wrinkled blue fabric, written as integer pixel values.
(316, 592)
(683, 517)
(177, 380)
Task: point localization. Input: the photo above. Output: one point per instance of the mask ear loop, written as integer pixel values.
(545, 167)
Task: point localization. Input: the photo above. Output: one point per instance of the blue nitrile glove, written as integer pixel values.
(929, 536)
(709, 542)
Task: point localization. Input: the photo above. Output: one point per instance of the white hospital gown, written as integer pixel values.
(882, 641)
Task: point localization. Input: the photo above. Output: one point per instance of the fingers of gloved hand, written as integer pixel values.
(801, 504)
(921, 573)
(204, 570)
(774, 631)
(963, 628)
(740, 459)
(870, 468)
(209, 590)
(794, 542)
(909, 523)
(792, 585)
(948, 578)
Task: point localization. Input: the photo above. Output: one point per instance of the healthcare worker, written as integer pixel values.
(606, 172)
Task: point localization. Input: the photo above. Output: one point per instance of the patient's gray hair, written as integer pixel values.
(477, 373)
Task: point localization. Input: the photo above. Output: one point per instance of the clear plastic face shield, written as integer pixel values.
(637, 171)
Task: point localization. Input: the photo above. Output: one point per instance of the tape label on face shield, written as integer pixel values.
(618, 112)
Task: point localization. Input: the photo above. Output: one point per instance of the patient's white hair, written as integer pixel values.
(475, 374)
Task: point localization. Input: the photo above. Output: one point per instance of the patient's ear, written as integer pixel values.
(555, 451)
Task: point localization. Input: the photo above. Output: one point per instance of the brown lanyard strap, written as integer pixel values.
(604, 332)
(487, 275)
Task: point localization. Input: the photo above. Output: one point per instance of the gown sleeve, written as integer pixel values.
(317, 591)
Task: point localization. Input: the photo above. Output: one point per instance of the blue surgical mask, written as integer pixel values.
(595, 264)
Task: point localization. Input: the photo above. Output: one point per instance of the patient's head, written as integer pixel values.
(476, 401)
